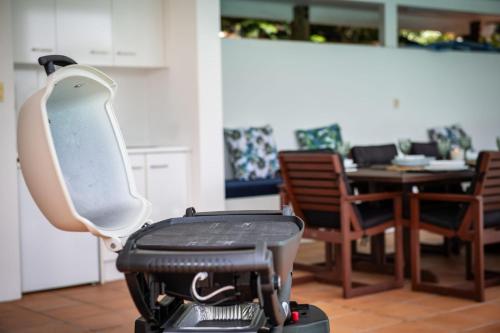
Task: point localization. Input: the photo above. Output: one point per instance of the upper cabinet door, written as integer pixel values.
(84, 30)
(34, 29)
(138, 33)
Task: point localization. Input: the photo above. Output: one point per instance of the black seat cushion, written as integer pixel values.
(442, 214)
(321, 219)
(369, 216)
(249, 188)
(369, 155)
(429, 149)
(449, 215)
(373, 215)
(492, 219)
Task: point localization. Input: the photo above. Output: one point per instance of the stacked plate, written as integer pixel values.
(411, 160)
(349, 165)
(446, 165)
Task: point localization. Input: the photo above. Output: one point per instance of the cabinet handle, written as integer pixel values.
(159, 166)
(41, 49)
(137, 168)
(98, 52)
(126, 53)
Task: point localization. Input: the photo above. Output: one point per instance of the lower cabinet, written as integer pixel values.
(166, 186)
(52, 258)
(161, 176)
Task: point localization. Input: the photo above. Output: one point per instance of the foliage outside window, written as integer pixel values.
(425, 37)
(488, 42)
(279, 30)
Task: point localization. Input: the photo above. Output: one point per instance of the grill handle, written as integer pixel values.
(50, 61)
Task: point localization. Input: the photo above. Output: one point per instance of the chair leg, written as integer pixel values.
(415, 244)
(478, 248)
(328, 256)
(346, 268)
(337, 271)
(345, 229)
(468, 262)
(479, 282)
(399, 256)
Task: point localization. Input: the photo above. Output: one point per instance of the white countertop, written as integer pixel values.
(156, 149)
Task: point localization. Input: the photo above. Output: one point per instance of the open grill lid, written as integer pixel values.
(73, 156)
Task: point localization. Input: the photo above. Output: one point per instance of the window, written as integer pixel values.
(446, 30)
(339, 23)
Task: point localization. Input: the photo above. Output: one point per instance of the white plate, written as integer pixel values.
(451, 163)
(410, 157)
(445, 167)
(421, 161)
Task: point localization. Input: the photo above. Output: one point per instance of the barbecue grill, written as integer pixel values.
(203, 272)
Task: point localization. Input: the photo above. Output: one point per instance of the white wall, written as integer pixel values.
(10, 276)
(138, 101)
(294, 85)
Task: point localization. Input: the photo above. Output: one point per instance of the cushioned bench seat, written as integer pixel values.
(249, 188)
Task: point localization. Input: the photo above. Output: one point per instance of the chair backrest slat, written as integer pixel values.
(312, 175)
(493, 174)
(318, 199)
(332, 184)
(488, 182)
(309, 166)
(333, 192)
(320, 207)
(492, 183)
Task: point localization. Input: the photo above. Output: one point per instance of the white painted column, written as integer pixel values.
(10, 276)
(195, 94)
(389, 27)
(210, 141)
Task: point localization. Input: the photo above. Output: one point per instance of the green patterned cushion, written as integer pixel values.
(252, 152)
(319, 138)
(453, 133)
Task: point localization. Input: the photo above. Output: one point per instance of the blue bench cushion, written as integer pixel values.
(249, 188)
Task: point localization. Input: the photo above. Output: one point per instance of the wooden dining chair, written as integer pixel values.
(316, 187)
(365, 156)
(429, 149)
(475, 219)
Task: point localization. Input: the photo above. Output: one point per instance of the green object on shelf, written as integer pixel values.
(444, 147)
(404, 146)
(343, 149)
(498, 142)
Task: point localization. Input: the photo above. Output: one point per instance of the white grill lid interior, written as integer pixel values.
(74, 159)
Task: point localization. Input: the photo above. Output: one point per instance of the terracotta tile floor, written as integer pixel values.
(108, 308)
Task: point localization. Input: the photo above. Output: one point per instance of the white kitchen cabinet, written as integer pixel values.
(84, 30)
(34, 28)
(138, 165)
(52, 258)
(128, 33)
(138, 33)
(167, 184)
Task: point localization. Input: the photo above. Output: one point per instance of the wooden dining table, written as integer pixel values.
(405, 181)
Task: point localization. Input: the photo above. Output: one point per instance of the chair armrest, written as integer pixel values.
(444, 197)
(374, 196)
